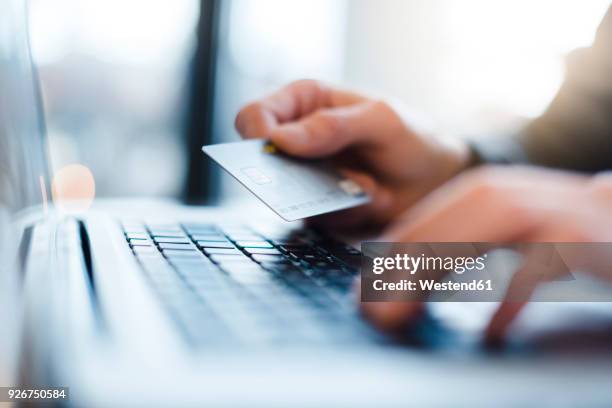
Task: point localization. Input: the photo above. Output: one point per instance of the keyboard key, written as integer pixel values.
(178, 247)
(263, 251)
(295, 247)
(246, 265)
(137, 235)
(168, 240)
(353, 261)
(254, 244)
(310, 249)
(168, 234)
(222, 251)
(269, 258)
(140, 242)
(237, 265)
(281, 269)
(145, 250)
(215, 237)
(223, 259)
(244, 237)
(182, 254)
(215, 244)
(193, 262)
(277, 264)
(311, 258)
(288, 241)
(339, 247)
(163, 229)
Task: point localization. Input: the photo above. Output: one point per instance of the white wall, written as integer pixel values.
(472, 64)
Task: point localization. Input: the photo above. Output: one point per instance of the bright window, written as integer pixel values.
(113, 75)
(472, 65)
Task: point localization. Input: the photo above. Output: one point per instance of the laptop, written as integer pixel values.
(138, 303)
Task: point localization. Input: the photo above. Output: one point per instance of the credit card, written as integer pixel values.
(293, 188)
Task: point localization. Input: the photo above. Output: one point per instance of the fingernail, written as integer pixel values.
(494, 342)
(494, 334)
(392, 314)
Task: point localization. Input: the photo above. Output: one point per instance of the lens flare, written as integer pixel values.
(73, 189)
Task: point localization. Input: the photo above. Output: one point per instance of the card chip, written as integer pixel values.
(256, 175)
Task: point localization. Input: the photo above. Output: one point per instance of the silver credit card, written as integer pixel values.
(293, 188)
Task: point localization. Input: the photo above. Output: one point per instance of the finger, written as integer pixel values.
(290, 103)
(388, 316)
(540, 264)
(381, 200)
(462, 216)
(488, 205)
(329, 131)
(520, 289)
(254, 122)
(505, 314)
(391, 316)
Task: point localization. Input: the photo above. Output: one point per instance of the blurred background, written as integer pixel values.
(133, 87)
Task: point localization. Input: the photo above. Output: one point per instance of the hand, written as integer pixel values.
(394, 162)
(505, 205)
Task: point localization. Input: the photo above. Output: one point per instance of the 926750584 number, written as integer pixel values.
(8, 394)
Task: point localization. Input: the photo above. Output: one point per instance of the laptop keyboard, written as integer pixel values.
(226, 285)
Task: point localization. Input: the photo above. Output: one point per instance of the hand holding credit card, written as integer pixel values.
(293, 188)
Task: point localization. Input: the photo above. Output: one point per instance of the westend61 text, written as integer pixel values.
(432, 285)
